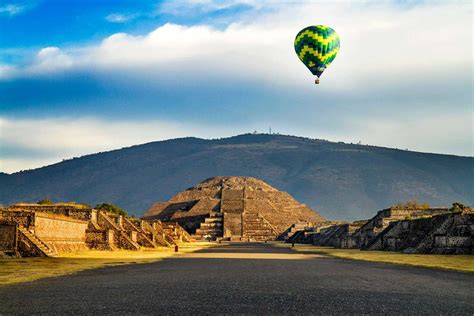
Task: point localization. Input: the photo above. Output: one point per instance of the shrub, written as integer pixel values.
(459, 207)
(109, 207)
(412, 204)
(45, 200)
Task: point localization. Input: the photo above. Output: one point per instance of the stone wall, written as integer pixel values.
(22, 217)
(8, 238)
(366, 235)
(434, 231)
(101, 239)
(52, 232)
(337, 236)
(61, 233)
(77, 211)
(232, 225)
(450, 233)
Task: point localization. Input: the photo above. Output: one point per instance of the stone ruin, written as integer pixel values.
(333, 235)
(233, 208)
(229, 208)
(47, 230)
(449, 233)
(424, 230)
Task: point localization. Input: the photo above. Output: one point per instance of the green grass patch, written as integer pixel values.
(30, 269)
(463, 263)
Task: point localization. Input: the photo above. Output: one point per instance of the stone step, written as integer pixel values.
(212, 222)
(254, 223)
(209, 225)
(37, 242)
(205, 232)
(257, 228)
(219, 218)
(216, 214)
(205, 229)
(258, 232)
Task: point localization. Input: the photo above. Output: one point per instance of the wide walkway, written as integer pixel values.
(248, 278)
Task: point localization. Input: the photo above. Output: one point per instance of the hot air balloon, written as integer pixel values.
(317, 46)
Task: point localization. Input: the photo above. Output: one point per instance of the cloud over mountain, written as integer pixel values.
(403, 71)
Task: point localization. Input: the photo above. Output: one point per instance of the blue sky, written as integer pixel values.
(78, 77)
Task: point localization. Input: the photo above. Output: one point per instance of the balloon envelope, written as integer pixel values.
(317, 46)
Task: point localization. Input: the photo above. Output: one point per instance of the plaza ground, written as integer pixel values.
(247, 278)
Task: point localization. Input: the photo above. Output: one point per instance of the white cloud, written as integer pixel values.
(12, 9)
(187, 7)
(420, 133)
(120, 17)
(6, 71)
(10, 165)
(51, 59)
(48, 60)
(383, 47)
(380, 44)
(51, 140)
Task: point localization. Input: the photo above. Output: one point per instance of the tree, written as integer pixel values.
(459, 207)
(45, 200)
(109, 207)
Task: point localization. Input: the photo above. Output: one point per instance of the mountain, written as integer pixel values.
(340, 181)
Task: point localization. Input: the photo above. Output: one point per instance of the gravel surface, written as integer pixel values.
(247, 278)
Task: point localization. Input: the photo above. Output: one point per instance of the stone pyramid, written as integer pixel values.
(239, 208)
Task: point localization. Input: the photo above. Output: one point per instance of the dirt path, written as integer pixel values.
(247, 278)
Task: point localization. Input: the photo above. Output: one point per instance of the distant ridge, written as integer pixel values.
(341, 181)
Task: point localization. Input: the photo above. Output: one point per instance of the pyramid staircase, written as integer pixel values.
(257, 228)
(177, 233)
(122, 237)
(157, 234)
(40, 246)
(293, 230)
(143, 239)
(211, 228)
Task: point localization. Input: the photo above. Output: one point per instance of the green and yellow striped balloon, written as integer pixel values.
(317, 46)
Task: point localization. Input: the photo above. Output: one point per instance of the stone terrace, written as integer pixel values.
(46, 230)
(428, 230)
(235, 208)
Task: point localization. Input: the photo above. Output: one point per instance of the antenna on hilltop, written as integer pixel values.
(270, 130)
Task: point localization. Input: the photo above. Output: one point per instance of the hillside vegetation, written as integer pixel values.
(341, 181)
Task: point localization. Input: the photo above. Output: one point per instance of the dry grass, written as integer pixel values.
(463, 263)
(29, 269)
